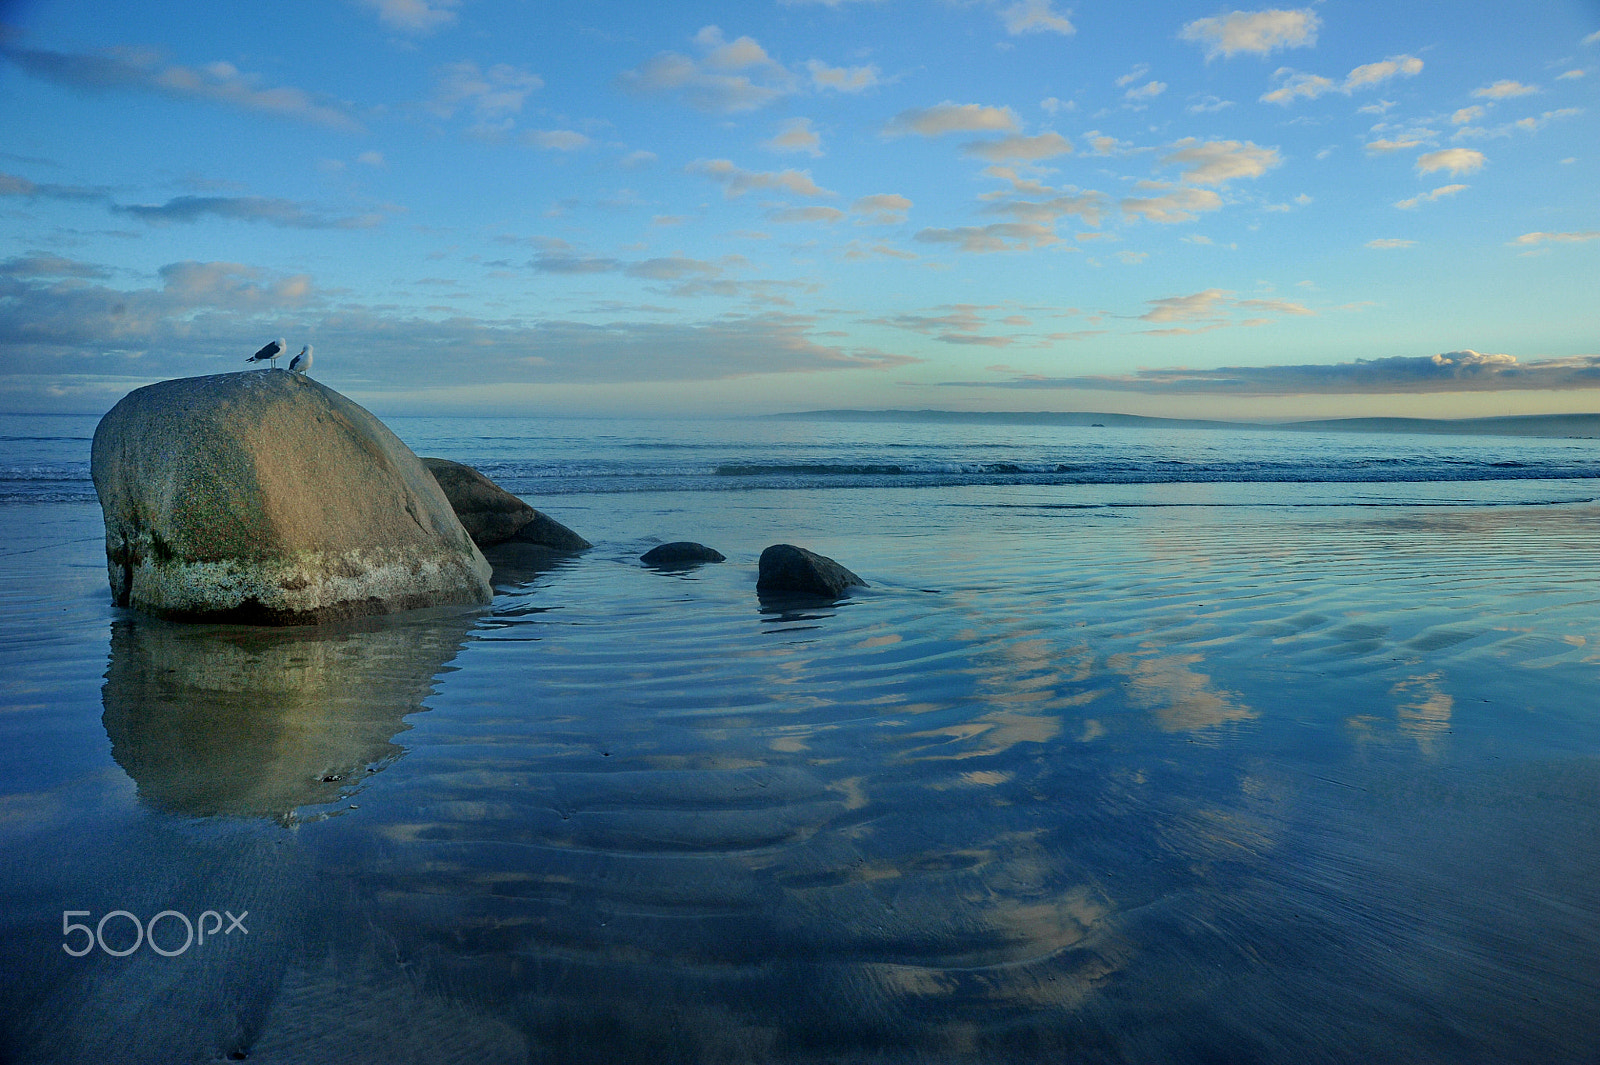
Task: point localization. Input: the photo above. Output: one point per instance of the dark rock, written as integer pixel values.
(490, 514)
(493, 515)
(546, 531)
(269, 498)
(680, 554)
(786, 569)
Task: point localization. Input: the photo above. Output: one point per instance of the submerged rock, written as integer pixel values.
(680, 553)
(492, 515)
(786, 569)
(269, 498)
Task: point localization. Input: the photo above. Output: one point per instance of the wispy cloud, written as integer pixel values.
(143, 70)
(1454, 371)
(950, 117)
(1294, 85)
(1504, 89)
(843, 79)
(995, 237)
(415, 17)
(1019, 149)
(284, 213)
(1035, 16)
(879, 209)
(736, 182)
(1532, 239)
(1218, 162)
(1455, 160)
(1429, 197)
(1171, 204)
(729, 77)
(1390, 243)
(492, 97)
(796, 136)
(1254, 32)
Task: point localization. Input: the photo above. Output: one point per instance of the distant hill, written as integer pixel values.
(1586, 426)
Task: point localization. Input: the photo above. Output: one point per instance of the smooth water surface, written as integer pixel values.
(1243, 768)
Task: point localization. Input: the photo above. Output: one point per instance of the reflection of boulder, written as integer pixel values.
(255, 722)
(268, 498)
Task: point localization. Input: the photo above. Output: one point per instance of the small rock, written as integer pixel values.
(788, 569)
(680, 554)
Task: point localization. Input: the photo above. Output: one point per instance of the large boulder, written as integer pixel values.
(492, 515)
(788, 570)
(265, 497)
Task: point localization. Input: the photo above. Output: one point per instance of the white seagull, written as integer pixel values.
(301, 362)
(271, 351)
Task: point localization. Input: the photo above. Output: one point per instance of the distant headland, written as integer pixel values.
(1586, 426)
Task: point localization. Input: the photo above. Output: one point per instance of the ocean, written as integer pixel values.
(1142, 745)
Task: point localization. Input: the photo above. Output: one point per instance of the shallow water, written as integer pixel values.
(1108, 772)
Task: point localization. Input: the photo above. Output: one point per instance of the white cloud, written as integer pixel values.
(1146, 92)
(828, 215)
(797, 136)
(1257, 32)
(1174, 204)
(414, 16)
(884, 208)
(997, 236)
(1019, 148)
(1467, 114)
(1571, 74)
(950, 117)
(1455, 160)
(1593, 38)
(1294, 85)
(1504, 89)
(492, 96)
(1035, 16)
(737, 182)
(1219, 162)
(1200, 305)
(637, 160)
(1054, 105)
(371, 159)
(731, 77)
(1387, 243)
(1377, 73)
(842, 79)
(560, 140)
(1385, 145)
(1531, 239)
(1429, 197)
(1208, 104)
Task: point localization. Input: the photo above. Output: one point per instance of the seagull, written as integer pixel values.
(301, 362)
(271, 351)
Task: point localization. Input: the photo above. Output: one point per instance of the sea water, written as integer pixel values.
(1141, 745)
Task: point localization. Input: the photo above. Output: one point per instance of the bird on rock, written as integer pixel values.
(301, 363)
(271, 351)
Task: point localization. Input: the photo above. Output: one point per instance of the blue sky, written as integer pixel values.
(504, 206)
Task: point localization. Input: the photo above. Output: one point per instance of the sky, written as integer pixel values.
(514, 207)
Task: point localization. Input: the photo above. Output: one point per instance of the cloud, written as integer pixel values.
(1295, 85)
(1531, 124)
(1504, 89)
(42, 264)
(732, 76)
(1384, 145)
(15, 185)
(492, 97)
(1035, 16)
(1257, 32)
(1378, 73)
(1174, 205)
(1207, 105)
(1390, 243)
(142, 70)
(961, 324)
(1466, 114)
(796, 136)
(1569, 75)
(950, 117)
(1200, 305)
(559, 140)
(842, 79)
(827, 215)
(1453, 371)
(1429, 197)
(287, 214)
(1018, 148)
(637, 160)
(1147, 91)
(201, 315)
(997, 236)
(737, 182)
(1531, 239)
(884, 208)
(1219, 162)
(1089, 206)
(417, 17)
(1455, 160)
